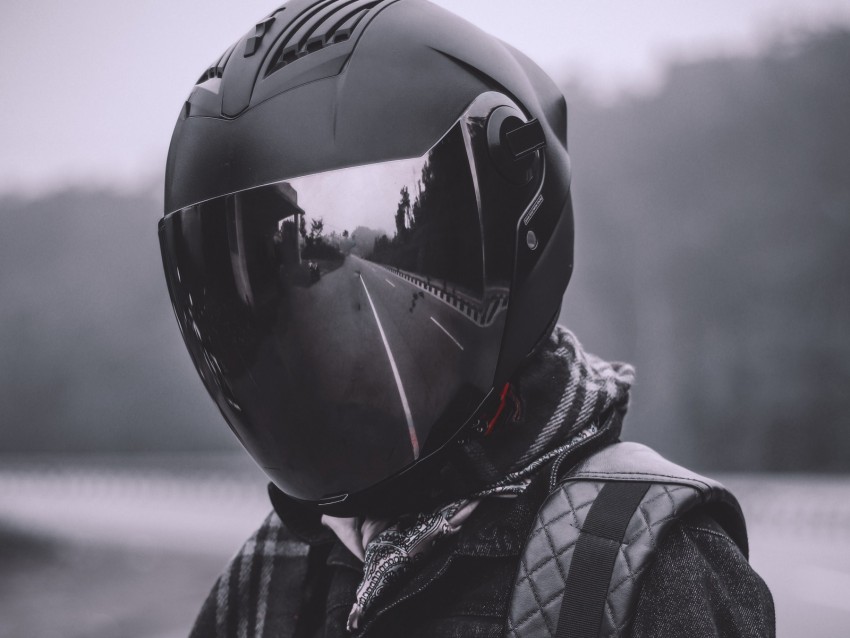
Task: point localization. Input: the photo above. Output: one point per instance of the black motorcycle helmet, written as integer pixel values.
(367, 230)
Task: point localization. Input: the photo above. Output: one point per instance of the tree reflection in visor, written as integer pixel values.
(345, 321)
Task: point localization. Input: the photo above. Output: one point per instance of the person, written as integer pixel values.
(451, 467)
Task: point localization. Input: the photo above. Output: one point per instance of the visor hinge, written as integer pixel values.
(526, 139)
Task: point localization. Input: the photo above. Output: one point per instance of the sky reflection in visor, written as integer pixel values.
(417, 215)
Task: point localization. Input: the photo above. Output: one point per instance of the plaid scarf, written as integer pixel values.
(574, 394)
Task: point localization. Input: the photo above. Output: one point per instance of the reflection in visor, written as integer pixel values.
(343, 320)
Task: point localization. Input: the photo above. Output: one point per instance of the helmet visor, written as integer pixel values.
(346, 323)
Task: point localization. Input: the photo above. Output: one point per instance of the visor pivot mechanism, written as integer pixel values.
(514, 143)
(524, 140)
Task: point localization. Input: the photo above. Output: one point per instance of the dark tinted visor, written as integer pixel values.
(346, 323)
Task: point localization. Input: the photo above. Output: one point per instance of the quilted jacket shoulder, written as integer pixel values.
(673, 492)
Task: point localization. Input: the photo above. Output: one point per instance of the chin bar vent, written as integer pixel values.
(324, 24)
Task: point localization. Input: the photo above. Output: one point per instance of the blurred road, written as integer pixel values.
(427, 343)
(450, 354)
(107, 547)
(117, 547)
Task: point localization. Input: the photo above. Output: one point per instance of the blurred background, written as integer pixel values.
(712, 195)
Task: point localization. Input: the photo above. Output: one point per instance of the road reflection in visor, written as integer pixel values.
(336, 318)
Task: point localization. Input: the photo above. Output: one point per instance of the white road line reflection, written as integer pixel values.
(433, 295)
(448, 334)
(389, 282)
(414, 441)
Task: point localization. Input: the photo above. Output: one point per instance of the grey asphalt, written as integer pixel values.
(124, 548)
(433, 346)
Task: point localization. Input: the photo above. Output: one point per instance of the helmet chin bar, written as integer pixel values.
(440, 475)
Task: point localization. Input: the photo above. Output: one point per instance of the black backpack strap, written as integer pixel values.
(593, 560)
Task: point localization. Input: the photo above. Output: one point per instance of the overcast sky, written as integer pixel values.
(90, 90)
(358, 196)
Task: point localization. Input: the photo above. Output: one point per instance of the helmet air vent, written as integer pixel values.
(324, 24)
(216, 70)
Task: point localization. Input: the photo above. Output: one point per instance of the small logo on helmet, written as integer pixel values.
(532, 210)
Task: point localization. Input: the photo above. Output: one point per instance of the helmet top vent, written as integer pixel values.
(216, 69)
(324, 24)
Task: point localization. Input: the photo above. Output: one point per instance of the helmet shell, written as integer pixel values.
(402, 77)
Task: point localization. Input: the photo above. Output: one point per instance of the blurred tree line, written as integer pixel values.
(713, 251)
(438, 234)
(317, 245)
